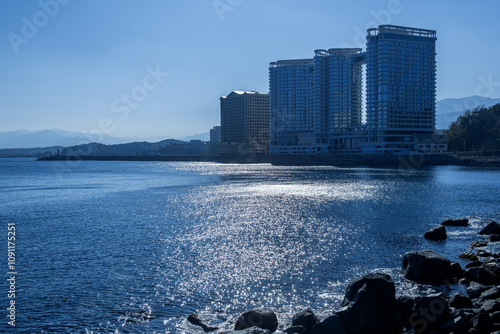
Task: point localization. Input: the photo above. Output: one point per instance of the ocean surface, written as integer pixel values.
(135, 247)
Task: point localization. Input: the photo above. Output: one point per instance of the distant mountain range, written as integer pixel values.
(55, 137)
(448, 110)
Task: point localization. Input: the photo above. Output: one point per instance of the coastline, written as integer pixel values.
(413, 160)
(455, 298)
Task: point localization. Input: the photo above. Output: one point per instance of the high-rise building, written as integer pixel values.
(244, 122)
(316, 105)
(401, 88)
(312, 99)
(215, 135)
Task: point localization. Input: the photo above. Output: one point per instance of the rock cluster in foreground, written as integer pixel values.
(370, 305)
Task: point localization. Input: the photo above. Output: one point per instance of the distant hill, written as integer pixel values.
(201, 136)
(49, 138)
(164, 147)
(448, 110)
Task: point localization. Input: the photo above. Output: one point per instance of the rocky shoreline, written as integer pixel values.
(371, 306)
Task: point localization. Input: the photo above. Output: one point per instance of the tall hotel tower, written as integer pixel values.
(244, 122)
(401, 88)
(313, 99)
(316, 104)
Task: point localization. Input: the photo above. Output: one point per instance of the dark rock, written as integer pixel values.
(297, 330)
(491, 228)
(330, 325)
(458, 300)
(369, 306)
(455, 222)
(490, 306)
(405, 306)
(491, 293)
(263, 318)
(457, 326)
(430, 313)
(305, 318)
(463, 281)
(251, 330)
(468, 255)
(456, 270)
(495, 237)
(483, 253)
(193, 318)
(476, 289)
(480, 243)
(480, 275)
(495, 316)
(482, 323)
(474, 264)
(426, 267)
(436, 234)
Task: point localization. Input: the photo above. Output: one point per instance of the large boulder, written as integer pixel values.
(430, 313)
(369, 306)
(436, 234)
(491, 228)
(455, 222)
(481, 275)
(458, 300)
(457, 326)
(263, 318)
(426, 267)
(305, 318)
(474, 290)
(330, 325)
(297, 330)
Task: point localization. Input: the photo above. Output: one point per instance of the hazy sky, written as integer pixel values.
(158, 67)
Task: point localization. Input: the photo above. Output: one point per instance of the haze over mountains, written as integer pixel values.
(447, 111)
(55, 137)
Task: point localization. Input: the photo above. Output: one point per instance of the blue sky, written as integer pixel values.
(158, 67)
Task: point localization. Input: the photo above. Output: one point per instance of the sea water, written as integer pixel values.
(135, 247)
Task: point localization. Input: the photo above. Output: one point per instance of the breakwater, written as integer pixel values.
(413, 160)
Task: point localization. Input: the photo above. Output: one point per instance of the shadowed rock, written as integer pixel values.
(305, 318)
(474, 290)
(193, 318)
(330, 325)
(456, 326)
(436, 234)
(460, 301)
(426, 267)
(480, 275)
(369, 306)
(495, 237)
(455, 222)
(430, 313)
(263, 318)
(491, 228)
